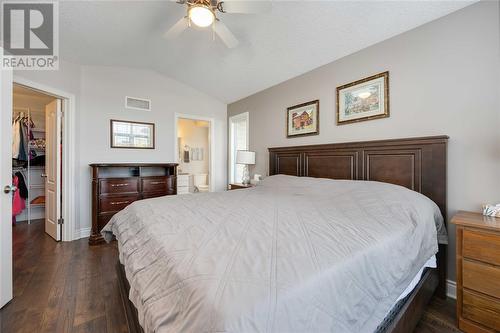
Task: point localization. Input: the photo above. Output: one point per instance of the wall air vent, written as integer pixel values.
(137, 103)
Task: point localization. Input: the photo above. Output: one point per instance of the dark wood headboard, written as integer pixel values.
(416, 163)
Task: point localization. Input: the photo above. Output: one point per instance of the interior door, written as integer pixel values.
(6, 182)
(53, 116)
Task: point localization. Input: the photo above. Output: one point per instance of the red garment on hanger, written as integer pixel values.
(18, 203)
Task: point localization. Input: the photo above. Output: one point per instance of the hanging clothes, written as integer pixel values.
(22, 148)
(22, 188)
(16, 138)
(27, 134)
(22, 134)
(18, 203)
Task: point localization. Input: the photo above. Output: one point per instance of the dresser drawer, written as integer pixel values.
(481, 277)
(116, 203)
(118, 185)
(157, 184)
(481, 246)
(481, 309)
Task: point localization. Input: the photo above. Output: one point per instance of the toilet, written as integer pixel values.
(200, 182)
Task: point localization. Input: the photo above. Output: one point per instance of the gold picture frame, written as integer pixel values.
(364, 99)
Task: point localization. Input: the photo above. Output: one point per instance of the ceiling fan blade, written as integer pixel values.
(177, 29)
(227, 36)
(245, 7)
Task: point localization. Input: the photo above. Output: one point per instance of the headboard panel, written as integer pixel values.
(416, 163)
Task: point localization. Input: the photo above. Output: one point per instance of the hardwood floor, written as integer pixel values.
(62, 287)
(440, 317)
(71, 287)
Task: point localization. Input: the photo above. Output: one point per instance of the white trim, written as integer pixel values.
(241, 116)
(6, 279)
(69, 144)
(211, 143)
(82, 233)
(451, 289)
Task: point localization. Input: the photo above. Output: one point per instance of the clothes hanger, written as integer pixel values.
(18, 117)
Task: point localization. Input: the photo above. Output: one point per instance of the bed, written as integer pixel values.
(331, 242)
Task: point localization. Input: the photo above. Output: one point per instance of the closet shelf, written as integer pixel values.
(37, 205)
(37, 186)
(38, 201)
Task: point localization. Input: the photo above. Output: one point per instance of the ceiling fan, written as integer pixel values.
(203, 13)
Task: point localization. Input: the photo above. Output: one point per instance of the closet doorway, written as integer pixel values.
(37, 159)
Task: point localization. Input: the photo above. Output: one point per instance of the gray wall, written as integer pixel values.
(444, 79)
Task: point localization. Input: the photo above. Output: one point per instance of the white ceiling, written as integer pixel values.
(295, 37)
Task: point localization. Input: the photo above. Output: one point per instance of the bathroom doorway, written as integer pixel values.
(194, 152)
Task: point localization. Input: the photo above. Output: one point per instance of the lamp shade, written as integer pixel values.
(245, 157)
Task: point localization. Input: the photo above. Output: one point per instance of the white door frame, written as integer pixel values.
(6, 289)
(211, 142)
(68, 157)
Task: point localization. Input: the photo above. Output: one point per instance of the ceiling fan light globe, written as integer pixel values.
(201, 16)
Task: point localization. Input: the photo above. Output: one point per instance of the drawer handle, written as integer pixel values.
(157, 183)
(119, 185)
(118, 202)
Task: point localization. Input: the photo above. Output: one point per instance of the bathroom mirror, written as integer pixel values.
(132, 134)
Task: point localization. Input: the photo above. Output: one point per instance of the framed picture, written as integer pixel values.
(363, 99)
(302, 119)
(132, 134)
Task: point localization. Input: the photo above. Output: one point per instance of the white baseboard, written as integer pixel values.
(451, 289)
(82, 233)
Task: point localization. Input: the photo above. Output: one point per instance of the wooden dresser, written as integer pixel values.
(478, 272)
(115, 186)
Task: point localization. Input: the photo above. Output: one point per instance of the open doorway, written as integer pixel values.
(37, 159)
(194, 154)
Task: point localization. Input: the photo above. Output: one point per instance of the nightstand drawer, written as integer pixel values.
(480, 309)
(481, 246)
(481, 277)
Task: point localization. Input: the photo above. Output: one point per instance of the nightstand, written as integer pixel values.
(478, 272)
(239, 186)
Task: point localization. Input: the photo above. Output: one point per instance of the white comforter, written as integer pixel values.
(291, 255)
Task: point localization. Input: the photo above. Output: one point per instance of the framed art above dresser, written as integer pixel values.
(117, 185)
